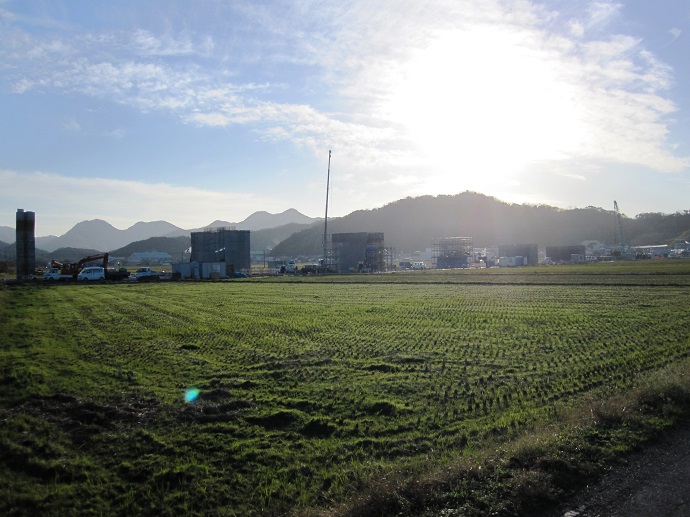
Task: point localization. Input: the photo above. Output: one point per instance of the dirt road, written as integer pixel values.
(653, 482)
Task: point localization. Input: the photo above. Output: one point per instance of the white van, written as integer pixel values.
(418, 265)
(91, 273)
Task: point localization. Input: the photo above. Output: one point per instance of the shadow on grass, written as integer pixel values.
(537, 470)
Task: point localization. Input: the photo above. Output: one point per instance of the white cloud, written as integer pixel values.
(118, 133)
(52, 195)
(675, 33)
(601, 14)
(440, 95)
(210, 119)
(71, 125)
(150, 45)
(576, 28)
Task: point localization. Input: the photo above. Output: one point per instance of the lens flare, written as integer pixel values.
(190, 394)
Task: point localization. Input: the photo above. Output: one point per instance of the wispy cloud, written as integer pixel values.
(675, 33)
(395, 90)
(600, 14)
(117, 133)
(147, 44)
(54, 194)
(71, 125)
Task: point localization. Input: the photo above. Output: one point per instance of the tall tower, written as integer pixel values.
(617, 226)
(25, 243)
(627, 252)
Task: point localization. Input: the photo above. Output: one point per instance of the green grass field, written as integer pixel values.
(327, 395)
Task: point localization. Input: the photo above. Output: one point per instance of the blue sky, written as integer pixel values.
(195, 111)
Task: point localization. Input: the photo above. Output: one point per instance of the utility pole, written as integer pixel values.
(325, 220)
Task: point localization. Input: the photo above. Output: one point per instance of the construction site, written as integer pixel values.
(225, 252)
(452, 252)
(357, 252)
(216, 253)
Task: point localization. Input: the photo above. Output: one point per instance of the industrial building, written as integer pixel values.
(25, 244)
(216, 253)
(518, 254)
(452, 252)
(149, 257)
(359, 251)
(652, 251)
(222, 245)
(565, 254)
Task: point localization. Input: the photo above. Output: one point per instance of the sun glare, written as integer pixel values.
(191, 394)
(482, 104)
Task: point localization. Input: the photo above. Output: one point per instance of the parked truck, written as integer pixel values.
(146, 274)
(55, 274)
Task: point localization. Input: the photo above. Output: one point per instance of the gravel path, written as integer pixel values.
(654, 482)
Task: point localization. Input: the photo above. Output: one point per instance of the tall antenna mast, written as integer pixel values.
(325, 221)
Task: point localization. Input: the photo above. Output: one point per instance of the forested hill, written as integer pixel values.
(410, 224)
(171, 245)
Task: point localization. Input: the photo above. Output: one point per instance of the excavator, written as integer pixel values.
(70, 270)
(73, 268)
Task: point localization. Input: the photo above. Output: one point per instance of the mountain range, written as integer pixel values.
(101, 235)
(408, 225)
(411, 224)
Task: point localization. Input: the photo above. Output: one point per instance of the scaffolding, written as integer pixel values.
(452, 252)
(328, 262)
(358, 252)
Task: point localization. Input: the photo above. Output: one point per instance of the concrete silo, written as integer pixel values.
(26, 243)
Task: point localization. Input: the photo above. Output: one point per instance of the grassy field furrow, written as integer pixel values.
(306, 388)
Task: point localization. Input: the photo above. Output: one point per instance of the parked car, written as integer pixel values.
(91, 273)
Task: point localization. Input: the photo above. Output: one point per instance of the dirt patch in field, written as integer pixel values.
(84, 418)
(317, 428)
(282, 419)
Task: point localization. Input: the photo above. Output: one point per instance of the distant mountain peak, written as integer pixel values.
(92, 223)
(262, 219)
(220, 224)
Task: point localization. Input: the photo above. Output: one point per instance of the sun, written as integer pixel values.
(479, 105)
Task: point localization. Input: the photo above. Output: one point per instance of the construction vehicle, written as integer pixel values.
(70, 270)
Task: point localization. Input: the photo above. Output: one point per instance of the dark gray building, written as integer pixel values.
(222, 245)
(359, 251)
(528, 252)
(564, 253)
(25, 243)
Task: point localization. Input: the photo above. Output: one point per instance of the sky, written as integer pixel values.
(192, 112)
